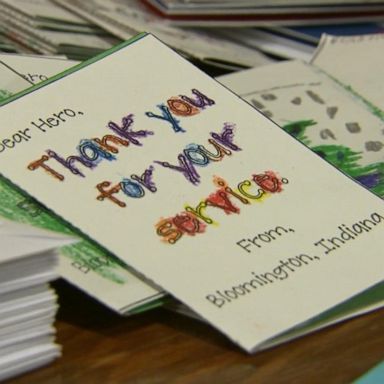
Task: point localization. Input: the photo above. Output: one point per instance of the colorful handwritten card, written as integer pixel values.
(88, 267)
(191, 186)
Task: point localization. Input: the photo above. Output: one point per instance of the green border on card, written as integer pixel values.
(74, 68)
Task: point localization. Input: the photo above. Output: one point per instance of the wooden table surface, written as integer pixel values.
(160, 346)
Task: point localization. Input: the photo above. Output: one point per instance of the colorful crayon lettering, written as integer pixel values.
(194, 221)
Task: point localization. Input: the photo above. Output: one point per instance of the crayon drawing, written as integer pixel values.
(317, 116)
(370, 176)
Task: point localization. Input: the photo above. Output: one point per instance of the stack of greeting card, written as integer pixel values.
(192, 187)
(44, 27)
(28, 262)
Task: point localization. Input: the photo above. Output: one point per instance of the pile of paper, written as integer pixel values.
(28, 262)
(7, 45)
(124, 19)
(296, 41)
(43, 27)
(267, 12)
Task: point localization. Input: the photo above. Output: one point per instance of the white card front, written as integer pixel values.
(195, 189)
(359, 63)
(35, 68)
(10, 82)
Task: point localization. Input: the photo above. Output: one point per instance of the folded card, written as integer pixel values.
(195, 189)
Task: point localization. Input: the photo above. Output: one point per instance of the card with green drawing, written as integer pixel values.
(334, 122)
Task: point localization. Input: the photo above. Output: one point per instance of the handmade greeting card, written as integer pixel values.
(195, 189)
